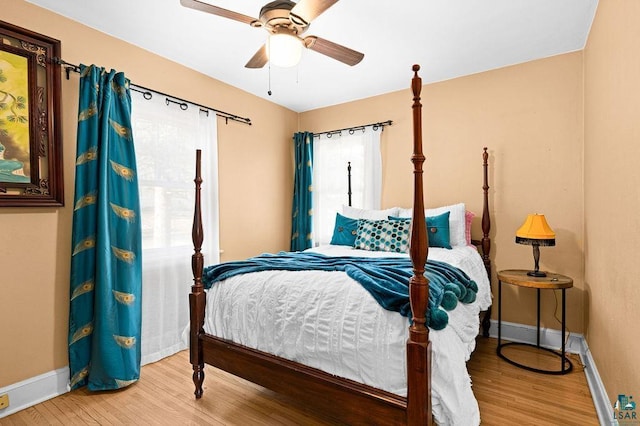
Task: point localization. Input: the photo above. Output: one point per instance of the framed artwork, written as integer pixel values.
(30, 132)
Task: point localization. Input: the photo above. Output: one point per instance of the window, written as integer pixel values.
(166, 138)
(331, 156)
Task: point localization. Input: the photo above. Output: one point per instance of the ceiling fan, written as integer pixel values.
(285, 21)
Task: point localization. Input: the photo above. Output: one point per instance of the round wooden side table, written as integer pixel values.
(519, 277)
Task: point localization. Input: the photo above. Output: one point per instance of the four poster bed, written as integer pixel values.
(384, 373)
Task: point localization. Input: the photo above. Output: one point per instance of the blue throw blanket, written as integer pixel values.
(385, 278)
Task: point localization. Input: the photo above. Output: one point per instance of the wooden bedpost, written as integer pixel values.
(418, 345)
(486, 241)
(197, 297)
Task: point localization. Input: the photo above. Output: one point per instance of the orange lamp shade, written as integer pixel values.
(536, 230)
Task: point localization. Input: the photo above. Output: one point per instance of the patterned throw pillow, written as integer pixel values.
(383, 235)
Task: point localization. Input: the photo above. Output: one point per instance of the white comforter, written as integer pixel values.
(328, 321)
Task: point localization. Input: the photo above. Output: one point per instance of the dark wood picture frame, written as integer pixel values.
(30, 127)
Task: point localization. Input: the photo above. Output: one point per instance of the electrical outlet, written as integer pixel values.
(4, 401)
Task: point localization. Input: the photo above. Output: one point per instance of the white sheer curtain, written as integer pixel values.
(330, 184)
(166, 138)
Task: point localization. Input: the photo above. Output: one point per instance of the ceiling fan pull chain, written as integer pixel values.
(269, 55)
(269, 91)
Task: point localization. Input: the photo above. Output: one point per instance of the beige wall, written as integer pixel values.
(530, 117)
(35, 242)
(612, 197)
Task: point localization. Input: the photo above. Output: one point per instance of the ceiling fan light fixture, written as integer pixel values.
(284, 50)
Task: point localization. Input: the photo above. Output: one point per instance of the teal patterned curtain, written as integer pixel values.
(106, 267)
(302, 213)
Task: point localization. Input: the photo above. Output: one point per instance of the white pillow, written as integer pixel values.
(456, 221)
(355, 213)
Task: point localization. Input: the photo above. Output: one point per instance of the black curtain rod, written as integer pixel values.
(352, 130)
(147, 94)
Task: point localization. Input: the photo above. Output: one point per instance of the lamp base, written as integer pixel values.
(538, 274)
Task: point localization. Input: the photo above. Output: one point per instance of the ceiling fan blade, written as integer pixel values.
(215, 10)
(259, 59)
(309, 10)
(333, 50)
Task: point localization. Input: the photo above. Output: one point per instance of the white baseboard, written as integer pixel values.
(37, 389)
(163, 353)
(549, 338)
(576, 344)
(604, 407)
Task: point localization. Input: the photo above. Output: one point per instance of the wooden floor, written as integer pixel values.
(507, 395)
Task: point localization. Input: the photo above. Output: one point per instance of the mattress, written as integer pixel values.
(326, 320)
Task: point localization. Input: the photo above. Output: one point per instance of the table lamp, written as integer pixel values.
(536, 232)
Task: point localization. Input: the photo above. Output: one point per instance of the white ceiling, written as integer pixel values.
(448, 38)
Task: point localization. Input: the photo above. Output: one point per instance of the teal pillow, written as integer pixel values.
(437, 230)
(344, 231)
(383, 235)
